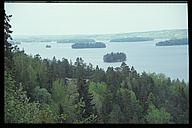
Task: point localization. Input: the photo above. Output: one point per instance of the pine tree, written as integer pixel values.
(86, 97)
(157, 116)
(8, 56)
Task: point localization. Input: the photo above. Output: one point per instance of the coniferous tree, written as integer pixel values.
(86, 97)
(157, 116)
(8, 48)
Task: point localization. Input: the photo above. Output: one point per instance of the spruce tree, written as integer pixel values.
(88, 109)
(8, 56)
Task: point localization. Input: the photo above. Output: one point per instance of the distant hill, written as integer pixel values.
(161, 34)
(131, 39)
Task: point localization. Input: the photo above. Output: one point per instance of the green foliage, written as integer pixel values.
(91, 119)
(18, 109)
(129, 105)
(107, 106)
(98, 90)
(58, 91)
(48, 115)
(8, 55)
(98, 75)
(87, 97)
(42, 95)
(30, 72)
(65, 96)
(118, 95)
(157, 116)
(80, 110)
(152, 99)
(79, 70)
(146, 86)
(116, 115)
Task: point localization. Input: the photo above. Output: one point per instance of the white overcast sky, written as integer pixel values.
(95, 18)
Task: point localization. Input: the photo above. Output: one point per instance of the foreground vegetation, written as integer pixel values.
(58, 91)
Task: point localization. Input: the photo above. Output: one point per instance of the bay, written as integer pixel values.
(173, 61)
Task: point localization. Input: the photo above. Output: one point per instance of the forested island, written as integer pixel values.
(183, 41)
(88, 45)
(38, 90)
(114, 57)
(76, 41)
(48, 46)
(132, 39)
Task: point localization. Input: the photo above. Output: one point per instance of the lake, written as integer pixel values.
(173, 61)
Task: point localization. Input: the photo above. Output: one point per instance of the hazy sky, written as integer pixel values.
(94, 18)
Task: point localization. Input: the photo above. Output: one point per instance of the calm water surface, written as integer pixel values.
(144, 56)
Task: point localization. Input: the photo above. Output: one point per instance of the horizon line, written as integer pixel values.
(92, 34)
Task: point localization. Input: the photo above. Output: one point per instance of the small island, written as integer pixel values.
(183, 41)
(114, 57)
(132, 39)
(88, 45)
(48, 46)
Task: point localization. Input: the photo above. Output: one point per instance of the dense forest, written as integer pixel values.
(132, 39)
(58, 91)
(89, 45)
(114, 57)
(183, 41)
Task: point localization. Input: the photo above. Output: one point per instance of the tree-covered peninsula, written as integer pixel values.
(183, 41)
(132, 39)
(89, 45)
(114, 57)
